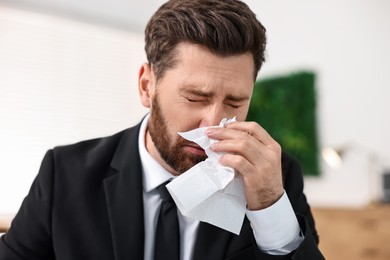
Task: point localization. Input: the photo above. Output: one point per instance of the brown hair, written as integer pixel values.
(225, 27)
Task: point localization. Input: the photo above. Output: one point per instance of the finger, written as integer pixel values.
(253, 129)
(221, 133)
(249, 132)
(249, 148)
(271, 173)
(237, 162)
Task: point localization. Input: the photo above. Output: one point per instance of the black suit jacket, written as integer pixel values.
(86, 203)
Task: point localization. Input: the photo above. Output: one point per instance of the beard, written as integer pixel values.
(170, 150)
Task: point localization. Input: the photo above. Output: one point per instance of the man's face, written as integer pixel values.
(200, 90)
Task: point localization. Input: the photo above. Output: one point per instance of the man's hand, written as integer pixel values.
(252, 152)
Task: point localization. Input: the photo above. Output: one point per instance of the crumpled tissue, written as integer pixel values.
(208, 191)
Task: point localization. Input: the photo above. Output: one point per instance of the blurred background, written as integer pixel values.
(68, 72)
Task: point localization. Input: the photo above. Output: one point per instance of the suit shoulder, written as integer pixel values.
(90, 144)
(289, 161)
(99, 149)
(291, 169)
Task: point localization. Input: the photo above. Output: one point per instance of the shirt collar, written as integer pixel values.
(153, 173)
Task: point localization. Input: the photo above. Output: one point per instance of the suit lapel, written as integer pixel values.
(211, 242)
(124, 199)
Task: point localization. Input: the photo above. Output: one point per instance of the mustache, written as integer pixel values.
(183, 142)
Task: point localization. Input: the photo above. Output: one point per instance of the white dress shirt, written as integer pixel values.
(276, 228)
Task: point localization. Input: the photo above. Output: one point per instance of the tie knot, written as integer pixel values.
(164, 193)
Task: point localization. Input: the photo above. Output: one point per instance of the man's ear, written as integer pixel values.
(146, 84)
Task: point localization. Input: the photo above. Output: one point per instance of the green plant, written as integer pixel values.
(286, 107)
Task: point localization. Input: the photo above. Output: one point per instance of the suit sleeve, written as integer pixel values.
(30, 234)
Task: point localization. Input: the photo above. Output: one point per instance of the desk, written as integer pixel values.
(354, 233)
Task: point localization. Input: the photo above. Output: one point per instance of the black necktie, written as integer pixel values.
(167, 242)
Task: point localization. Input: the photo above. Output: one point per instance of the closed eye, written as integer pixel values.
(234, 106)
(196, 100)
(193, 100)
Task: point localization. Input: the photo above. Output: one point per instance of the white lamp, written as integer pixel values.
(334, 157)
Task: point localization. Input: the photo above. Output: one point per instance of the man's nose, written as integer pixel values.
(212, 116)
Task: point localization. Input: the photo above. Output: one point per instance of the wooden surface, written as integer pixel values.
(354, 233)
(5, 222)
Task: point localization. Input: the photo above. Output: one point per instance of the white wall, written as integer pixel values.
(347, 44)
(63, 81)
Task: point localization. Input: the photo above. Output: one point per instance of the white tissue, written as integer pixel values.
(210, 192)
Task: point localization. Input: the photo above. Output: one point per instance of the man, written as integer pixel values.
(98, 199)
